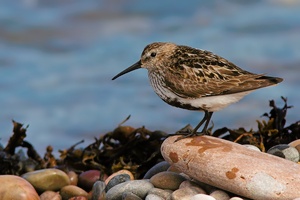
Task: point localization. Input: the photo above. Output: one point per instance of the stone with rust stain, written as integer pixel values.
(233, 167)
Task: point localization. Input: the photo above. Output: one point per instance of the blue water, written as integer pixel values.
(57, 59)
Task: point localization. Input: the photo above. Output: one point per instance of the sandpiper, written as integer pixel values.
(196, 79)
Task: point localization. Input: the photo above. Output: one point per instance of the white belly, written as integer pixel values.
(209, 103)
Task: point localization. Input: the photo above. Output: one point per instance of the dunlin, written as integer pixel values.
(196, 79)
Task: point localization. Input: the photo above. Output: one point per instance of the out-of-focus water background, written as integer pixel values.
(57, 58)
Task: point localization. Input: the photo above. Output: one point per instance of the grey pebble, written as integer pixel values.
(137, 187)
(185, 193)
(285, 151)
(220, 195)
(159, 167)
(121, 178)
(153, 197)
(98, 190)
(165, 194)
(130, 196)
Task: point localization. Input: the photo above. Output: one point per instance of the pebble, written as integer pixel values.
(296, 144)
(153, 197)
(121, 178)
(285, 151)
(164, 194)
(98, 190)
(137, 187)
(78, 198)
(15, 187)
(87, 179)
(193, 186)
(50, 195)
(220, 195)
(130, 196)
(73, 177)
(123, 171)
(159, 167)
(47, 179)
(249, 146)
(185, 193)
(70, 191)
(233, 167)
(202, 197)
(236, 198)
(167, 180)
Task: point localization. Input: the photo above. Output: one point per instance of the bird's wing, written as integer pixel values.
(214, 81)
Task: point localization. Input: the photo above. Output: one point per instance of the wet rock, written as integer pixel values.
(159, 167)
(98, 191)
(47, 179)
(87, 179)
(15, 187)
(220, 195)
(137, 187)
(167, 180)
(231, 167)
(70, 191)
(50, 195)
(285, 151)
(121, 178)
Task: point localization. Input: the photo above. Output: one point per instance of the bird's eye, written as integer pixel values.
(153, 54)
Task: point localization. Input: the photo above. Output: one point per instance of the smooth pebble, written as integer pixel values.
(249, 146)
(15, 187)
(159, 167)
(121, 178)
(50, 195)
(98, 190)
(123, 171)
(202, 197)
(73, 177)
(130, 196)
(285, 151)
(220, 195)
(137, 187)
(153, 197)
(167, 180)
(47, 179)
(185, 193)
(70, 191)
(165, 194)
(87, 179)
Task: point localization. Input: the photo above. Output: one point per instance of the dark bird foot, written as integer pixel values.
(187, 132)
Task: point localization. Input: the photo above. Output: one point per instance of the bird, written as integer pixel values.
(195, 79)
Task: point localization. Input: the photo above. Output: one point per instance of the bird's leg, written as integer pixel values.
(206, 118)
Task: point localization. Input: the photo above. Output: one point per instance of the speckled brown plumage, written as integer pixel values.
(196, 79)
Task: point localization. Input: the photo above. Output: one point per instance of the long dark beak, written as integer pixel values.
(135, 66)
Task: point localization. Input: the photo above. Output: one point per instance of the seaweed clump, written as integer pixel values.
(134, 149)
(270, 132)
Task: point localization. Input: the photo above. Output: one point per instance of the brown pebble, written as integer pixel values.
(70, 191)
(78, 198)
(167, 180)
(50, 195)
(15, 187)
(73, 177)
(87, 179)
